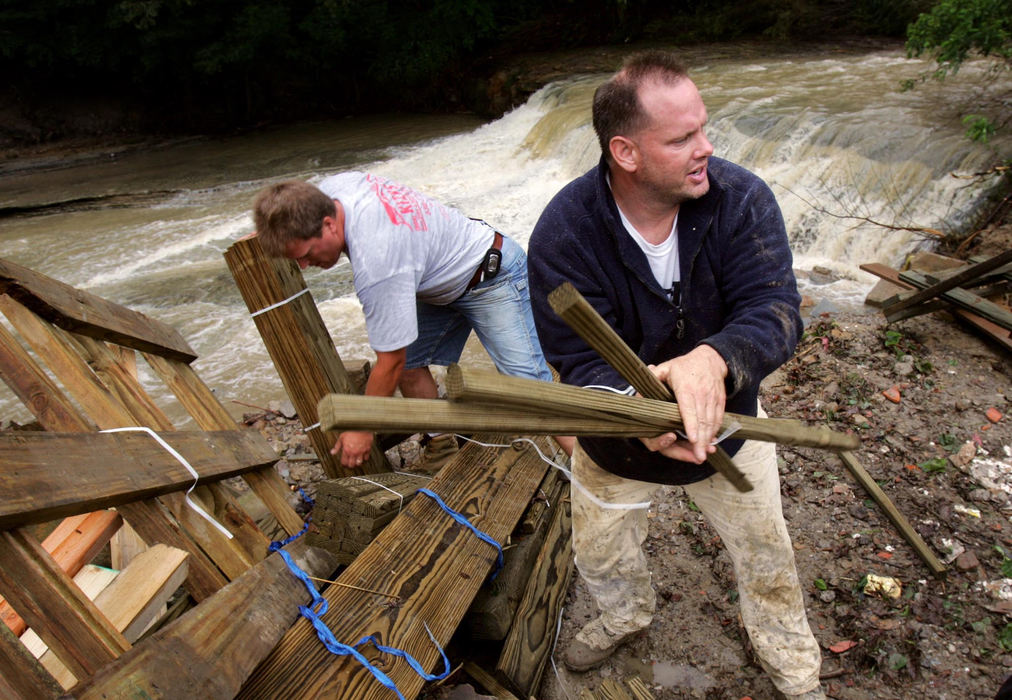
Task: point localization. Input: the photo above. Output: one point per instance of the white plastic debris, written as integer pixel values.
(885, 586)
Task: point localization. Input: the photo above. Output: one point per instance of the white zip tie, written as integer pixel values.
(314, 426)
(280, 303)
(385, 488)
(196, 477)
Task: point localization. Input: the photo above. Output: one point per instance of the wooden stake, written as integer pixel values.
(567, 301)
(468, 385)
(895, 516)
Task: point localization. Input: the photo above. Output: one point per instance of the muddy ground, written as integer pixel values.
(942, 453)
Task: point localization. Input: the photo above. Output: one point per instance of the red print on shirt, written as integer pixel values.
(403, 205)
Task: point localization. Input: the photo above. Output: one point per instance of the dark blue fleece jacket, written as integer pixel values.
(737, 294)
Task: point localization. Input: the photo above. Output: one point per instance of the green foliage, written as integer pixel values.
(821, 584)
(1005, 638)
(956, 28)
(933, 466)
(978, 128)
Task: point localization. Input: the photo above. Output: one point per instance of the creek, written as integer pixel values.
(831, 131)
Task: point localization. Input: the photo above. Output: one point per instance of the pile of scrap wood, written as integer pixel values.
(969, 291)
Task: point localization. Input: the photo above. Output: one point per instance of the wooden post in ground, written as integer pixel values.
(297, 341)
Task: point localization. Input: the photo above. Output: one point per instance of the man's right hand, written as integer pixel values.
(354, 447)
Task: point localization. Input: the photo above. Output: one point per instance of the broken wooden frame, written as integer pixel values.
(88, 345)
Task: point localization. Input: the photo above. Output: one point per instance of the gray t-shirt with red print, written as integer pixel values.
(403, 245)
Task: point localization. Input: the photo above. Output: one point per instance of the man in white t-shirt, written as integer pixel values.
(426, 275)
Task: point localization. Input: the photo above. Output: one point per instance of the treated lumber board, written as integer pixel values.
(433, 563)
(487, 681)
(583, 318)
(72, 544)
(529, 642)
(298, 342)
(44, 476)
(77, 310)
(467, 384)
(212, 649)
(39, 394)
(990, 330)
(965, 300)
(208, 413)
(951, 282)
(52, 347)
(133, 599)
(152, 524)
(897, 518)
(54, 607)
(22, 677)
(494, 608)
(91, 580)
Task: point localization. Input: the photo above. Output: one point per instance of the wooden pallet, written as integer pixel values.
(77, 377)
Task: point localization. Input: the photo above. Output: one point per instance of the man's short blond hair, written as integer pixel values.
(289, 211)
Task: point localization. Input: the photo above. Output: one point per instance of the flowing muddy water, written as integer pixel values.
(832, 133)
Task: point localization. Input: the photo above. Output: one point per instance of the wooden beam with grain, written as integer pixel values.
(952, 281)
(76, 310)
(464, 384)
(297, 341)
(73, 543)
(44, 476)
(209, 652)
(432, 562)
(583, 318)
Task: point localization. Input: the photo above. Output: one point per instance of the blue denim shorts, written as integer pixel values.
(499, 312)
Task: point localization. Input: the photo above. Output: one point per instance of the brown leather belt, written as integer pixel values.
(497, 245)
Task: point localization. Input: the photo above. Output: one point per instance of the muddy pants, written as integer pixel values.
(607, 543)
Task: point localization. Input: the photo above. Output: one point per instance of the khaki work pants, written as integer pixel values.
(608, 547)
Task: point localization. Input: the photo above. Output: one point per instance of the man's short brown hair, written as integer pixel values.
(617, 110)
(288, 211)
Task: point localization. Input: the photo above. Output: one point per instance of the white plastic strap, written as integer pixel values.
(280, 303)
(168, 448)
(385, 488)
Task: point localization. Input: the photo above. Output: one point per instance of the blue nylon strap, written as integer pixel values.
(466, 523)
(319, 607)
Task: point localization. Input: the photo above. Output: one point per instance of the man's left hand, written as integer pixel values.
(697, 380)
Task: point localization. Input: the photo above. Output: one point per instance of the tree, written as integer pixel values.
(955, 29)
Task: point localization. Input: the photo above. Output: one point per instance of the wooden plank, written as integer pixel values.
(152, 524)
(487, 681)
(965, 300)
(77, 310)
(484, 386)
(132, 600)
(531, 638)
(54, 607)
(433, 563)
(991, 331)
(208, 413)
(951, 282)
(74, 543)
(44, 476)
(297, 341)
(22, 677)
(37, 391)
(583, 318)
(211, 650)
(895, 516)
(495, 607)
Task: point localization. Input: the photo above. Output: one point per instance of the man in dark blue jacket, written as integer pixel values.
(687, 258)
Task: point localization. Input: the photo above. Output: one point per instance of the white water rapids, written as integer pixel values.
(832, 133)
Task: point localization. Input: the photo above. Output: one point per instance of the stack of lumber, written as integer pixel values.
(349, 512)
